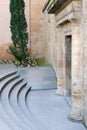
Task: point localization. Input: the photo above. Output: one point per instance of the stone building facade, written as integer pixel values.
(34, 16)
(65, 39)
(63, 43)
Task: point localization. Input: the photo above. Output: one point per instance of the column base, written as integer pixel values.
(67, 92)
(59, 91)
(75, 117)
(85, 122)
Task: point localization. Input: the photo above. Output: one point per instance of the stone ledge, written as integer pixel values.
(66, 19)
(58, 6)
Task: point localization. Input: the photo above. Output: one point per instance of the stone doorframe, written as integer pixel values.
(76, 113)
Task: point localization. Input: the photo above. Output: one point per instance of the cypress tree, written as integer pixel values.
(18, 26)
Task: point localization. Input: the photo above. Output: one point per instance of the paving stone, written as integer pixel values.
(46, 110)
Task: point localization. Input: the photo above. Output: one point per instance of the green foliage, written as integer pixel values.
(18, 26)
(53, 1)
(30, 62)
(41, 62)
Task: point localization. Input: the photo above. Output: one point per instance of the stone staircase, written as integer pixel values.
(14, 113)
(38, 109)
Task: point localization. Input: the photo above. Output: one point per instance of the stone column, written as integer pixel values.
(47, 53)
(84, 42)
(77, 107)
(52, 38)
(60, 76)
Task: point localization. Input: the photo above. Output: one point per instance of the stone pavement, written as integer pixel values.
(46, 110)
(6, 68)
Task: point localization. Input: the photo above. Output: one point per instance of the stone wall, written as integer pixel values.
(4, 28)
(34, 16)
(36, 28)
(5, 34)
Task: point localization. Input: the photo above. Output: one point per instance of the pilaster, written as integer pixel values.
(77, 102)
(60, 75)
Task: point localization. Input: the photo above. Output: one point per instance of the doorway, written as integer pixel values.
(68, 46)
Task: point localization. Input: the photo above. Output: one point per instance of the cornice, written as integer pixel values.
(56, 6)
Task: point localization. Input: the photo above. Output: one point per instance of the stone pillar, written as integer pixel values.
(77, 107)
(84, 42)
(60, 76)
(46, 34)
(52, 38)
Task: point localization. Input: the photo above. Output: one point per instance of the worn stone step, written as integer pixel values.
(7, 81)
(6, 105)
(27, 96)
(7, 75)
(7, 120)
(3, 125)
(22, 104)
(14, 103)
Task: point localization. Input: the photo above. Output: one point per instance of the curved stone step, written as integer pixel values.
(6, 105)
(3, 125)
(7, 75)
(14, 104)
(25, 100)
(41, 125)
(7, 81)
(8, 121)
(22, 105)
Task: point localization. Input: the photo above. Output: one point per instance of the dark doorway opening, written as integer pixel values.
(68, 46)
